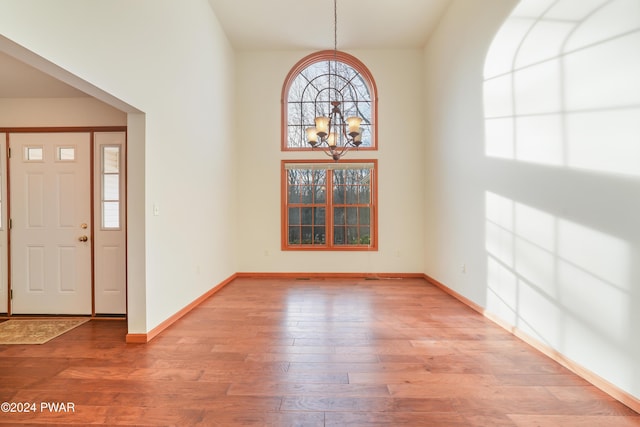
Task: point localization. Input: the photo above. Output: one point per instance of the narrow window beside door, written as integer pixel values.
(110, 187)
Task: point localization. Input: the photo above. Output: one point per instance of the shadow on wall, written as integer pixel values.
(562, 105)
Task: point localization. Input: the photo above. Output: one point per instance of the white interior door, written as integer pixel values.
(50, 223)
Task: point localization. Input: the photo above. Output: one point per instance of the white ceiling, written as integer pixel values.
(308, 24)
(277, 25)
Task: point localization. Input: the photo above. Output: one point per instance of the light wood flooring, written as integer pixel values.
(306, 353)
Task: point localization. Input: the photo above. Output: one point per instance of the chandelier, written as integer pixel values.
(335, 134)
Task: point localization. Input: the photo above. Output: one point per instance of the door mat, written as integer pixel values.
(35, 331)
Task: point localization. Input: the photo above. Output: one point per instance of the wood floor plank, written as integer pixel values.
(322, 352)
(417, 419)
(265, 388)
(574, 421)
(261, 419)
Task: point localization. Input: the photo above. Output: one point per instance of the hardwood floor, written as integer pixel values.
(305, 353)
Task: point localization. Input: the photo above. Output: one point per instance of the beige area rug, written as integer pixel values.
(35, 331)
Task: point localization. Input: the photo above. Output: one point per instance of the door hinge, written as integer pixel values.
(9, 152)
(11, 294)
(10, 223)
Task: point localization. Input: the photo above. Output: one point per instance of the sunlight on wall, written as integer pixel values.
(562, 87)
(539, 263)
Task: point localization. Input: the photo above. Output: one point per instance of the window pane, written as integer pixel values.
(365, 236)
(295, 114)
(294, 194)
(307, 194)
(338, 235)
(294, 235)
(294, 216)
(33, 153)
(363, 214)
(339, 176)
(111, 187)
(352, 194)
(338, 194)
(66, 153)
(111, 159)
(321, 195)
(110, 214)
(295, 137)
(319, 218)
(365, 195)
(307, 235)
(307, 216)
(366, 134)
(339, 216)
(352, 235)
(352, 216)
(364, 176)
(319, 235)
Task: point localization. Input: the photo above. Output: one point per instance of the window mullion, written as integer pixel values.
(329, 208)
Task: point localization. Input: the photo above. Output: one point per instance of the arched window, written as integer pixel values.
(328, 205)
(315, 81)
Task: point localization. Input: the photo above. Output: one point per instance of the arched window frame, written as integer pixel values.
(328, 55)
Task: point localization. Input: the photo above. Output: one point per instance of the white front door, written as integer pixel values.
(50, 223)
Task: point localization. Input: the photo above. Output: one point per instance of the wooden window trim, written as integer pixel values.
(326, 55)
(329, 246)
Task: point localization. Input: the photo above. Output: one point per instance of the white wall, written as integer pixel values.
(260, 76)
(171, 61)
(551, 250)
(58, 112)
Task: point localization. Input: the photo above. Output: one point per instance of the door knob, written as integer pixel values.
(83, 238)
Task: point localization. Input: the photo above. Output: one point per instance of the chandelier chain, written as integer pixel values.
(334, 131)
(335, 29)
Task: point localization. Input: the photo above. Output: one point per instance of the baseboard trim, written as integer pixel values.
(145, 338)
(136, 339)
(597, 381)
(310, 275)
